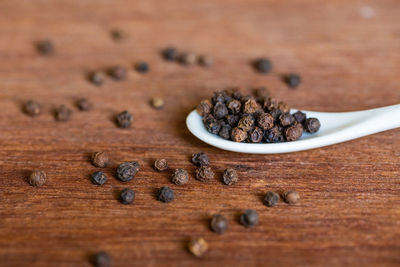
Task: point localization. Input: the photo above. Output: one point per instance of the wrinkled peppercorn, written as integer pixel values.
(197, 246)
(62, 113)
(161, 165)
(225, 131)
(263, 65)
(219, 224)
(271, 199)
(200, 159)
(234, 106)
(97, 78)
(45, 47)
(212, 125)
(246, 123)
(284, 107)
(204, 107)
(286, 119)
(232, 120)
(157, 102)
(255, 135)
(291, 197)
(180, 177)
(101, 259)
(99, 178)
(165, 194)
(127, 171)
(218, 96)
(118, 73)
(204, 174)
(299, 116)
(169, 54)
(220, 110)
(312, 125)
(294, 132)
(124, 119)
(293, 80)
(32, 108)
(265, 121)
(249, 218)
(250, 106)
(188, 58)
(37, 178)
(142, 67)
(238, 135)
(274, 135)
(83, 104)
(100, 159)
(126, 196)
(230, 177)
(270, 104)
(206, 61)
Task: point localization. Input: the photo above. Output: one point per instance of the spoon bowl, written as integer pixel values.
(336, 127)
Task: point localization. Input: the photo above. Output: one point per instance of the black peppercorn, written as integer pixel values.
(294, 132)
(169, 54)
(255, 135)
(238, 135)
(225, 131)
(249, 218)
(291, 197)
(286, 119)
(270, 104)
(299, 116)
(246, 123)
(161, 165)
(271, 199)
(218, 96)
(263, 65)
(220, 110)
(204, 107)
(37, 178)
(250, 106)
(142, 67)
(62, 113)
(230, 177)
(234, 106)
(200, 159)
(204, 174)
(219, 224)
(83, 104)
(212, 125)
(101, 259)
(100, 159)
(265, 121)
(275, 113)
(262, 92)
(99, 178)
(97, 78)
(124, 119)
(126, 196)
(127, 171)
(284, 107)
(312, 125)
(180, 177)
(118, 73)
(293, 80)
(45, 47)
(232, 120)
(165, 194)
(274, 135)
(32, 108)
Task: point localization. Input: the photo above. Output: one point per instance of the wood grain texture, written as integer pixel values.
(350, 193)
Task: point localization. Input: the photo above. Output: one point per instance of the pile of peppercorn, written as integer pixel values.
(253, 119)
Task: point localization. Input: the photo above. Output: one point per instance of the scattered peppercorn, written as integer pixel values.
(249, 218)
(101, 259)
(99, 178)
(291, 197)
(37, 178)
(161, 165)
(45, 47)
(293, 80)
(97, 78)
(169, 54)
(197, 246)
(230, 177)
(142, 67)
(126, 196)
(219, 224)
(127, 171)
(32, 108)
(165, 194)
(204, 174)
(63, 113)
(180, 177)
(263, 65)
(200, 159)
(157, 102)
(312, 125)
(100, 159)
(118, 73)
(188, 58)
(118, 35)
(271, 199)
(83, 104)
(124, 119)
(206, 61)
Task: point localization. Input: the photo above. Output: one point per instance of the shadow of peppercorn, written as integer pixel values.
(155, 192)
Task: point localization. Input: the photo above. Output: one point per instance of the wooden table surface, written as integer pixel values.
(348, 54)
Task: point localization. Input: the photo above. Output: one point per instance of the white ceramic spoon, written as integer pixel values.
(335, 128)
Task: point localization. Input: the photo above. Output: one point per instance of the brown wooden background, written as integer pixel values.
(349, 212)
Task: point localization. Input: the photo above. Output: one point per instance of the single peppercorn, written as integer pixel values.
(101, 259)
(97, 78)
(312, 125)
(250, 106)
(219, 224)
(238, 135)
(275, 113)
(204, 174)
(234, 106)
(274, 135)
(169, 54)
(284, 107)
(237, 94)
(249, 218)
(265, 121)
(200, 159)
(45, 47)
(118, 73)
(212, 125)
(270, 104)
(232, 120)
(118, 35)
(127, 171)
(294, 132)
(291, 197)
(286, 119)
(299, 116)
(37, 178)
(142, 67)
(99, 178)
(204, 107)
(218, 96)
(197, 246)
(157, 102)
(100, 159)
(206, 61)
(180, 177)
(220, 110)
(271, 199)
(165, 194)
(230, 177)
(225, 131)
(63, 113)
(124, 119)
(292, 80)
(83, 104)
(187, 58)
(246, 123)
(255, 135)
(160, 165)
(126, 196)
(32, 108)
(263, 65)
